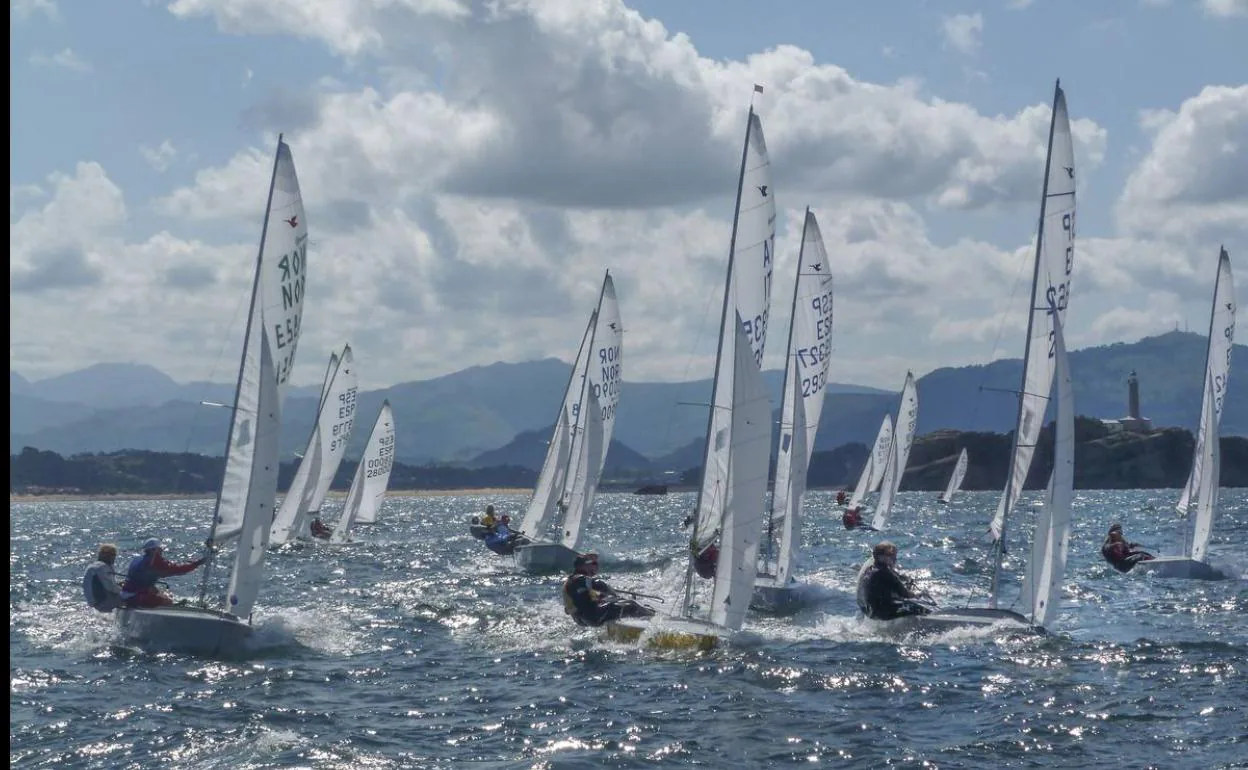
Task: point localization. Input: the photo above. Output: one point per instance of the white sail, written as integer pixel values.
(245, 502)
(372, 476)
(599, 400)
(742, 517)
(747, 297)
(903, 437)
(331, 430)
(1055, 254)
(806, 374)
(955, 481)
(1202, 483)
(877, 462)
(1042, 580)
(248, 573)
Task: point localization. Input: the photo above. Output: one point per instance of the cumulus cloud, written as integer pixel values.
(962, 31)
(25, 9)
(64, 59)
(1225, 7)
(159, 157)
(1193, 181)
(586, 103)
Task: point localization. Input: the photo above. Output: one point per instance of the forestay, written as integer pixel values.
(372, 476)
(903, 437)
(806, 374)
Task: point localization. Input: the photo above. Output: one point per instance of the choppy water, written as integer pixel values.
(416, 647)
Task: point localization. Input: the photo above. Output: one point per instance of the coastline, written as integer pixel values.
(334, 493)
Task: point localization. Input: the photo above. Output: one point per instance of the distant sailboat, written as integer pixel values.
(331, 430)
(729, 509)
(1199, 500)
(805, 375)
(1044, 362)
(245, 502)
(578, 447)
(899, 453)
(877, 462)
(955, 481)
(372, 476)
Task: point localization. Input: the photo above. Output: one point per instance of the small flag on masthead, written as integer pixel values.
(757, 88)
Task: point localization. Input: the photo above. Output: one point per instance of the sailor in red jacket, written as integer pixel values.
(140, 589)
(1121, 554)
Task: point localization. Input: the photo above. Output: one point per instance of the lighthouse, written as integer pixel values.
(1134, 422)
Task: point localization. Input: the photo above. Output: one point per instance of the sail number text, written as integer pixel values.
(381, 464)
(1058, 297)
(292, 269)
(607, 388)
(346, 419)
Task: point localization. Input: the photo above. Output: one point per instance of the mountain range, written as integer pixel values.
(484, 415)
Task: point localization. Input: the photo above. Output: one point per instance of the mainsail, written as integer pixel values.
(877, 462)
(1050, 295)
(372, 476)
(1198, 502)
(805, 374)
(899, 454)
(955, 481)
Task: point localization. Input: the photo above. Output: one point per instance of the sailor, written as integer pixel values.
(591, 601)
(140, 589)
(883, 594)
(705, 560)
(1122, 555)
(99, 584)
(852, 518)
(319, 529)
(841, 497)
(489, 520)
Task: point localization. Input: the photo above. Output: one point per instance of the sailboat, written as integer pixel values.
(877, 461)
(245, 501)
(955, 481)
(899, 453)
(730, 503)
(1044, 361)
(578, 447)
(1199, 501)
(805, 374)
(372, 476)
(331, 430)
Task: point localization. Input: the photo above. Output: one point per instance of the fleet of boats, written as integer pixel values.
(744, 551)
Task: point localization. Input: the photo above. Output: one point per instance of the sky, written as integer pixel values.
(470, 169)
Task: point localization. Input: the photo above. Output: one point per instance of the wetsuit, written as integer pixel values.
(139, 590)
(100, 588)
(883, 595)
(1121, 556)
(591, 602)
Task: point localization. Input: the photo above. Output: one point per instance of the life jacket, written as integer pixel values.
(705, 561)
(569, 606)
(100, 589)
(140, 576)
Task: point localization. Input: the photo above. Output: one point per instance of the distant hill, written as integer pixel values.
(458, 417)
(528, 450)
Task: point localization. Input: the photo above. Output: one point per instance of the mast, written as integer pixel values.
(238, 385)
(788, 363)
(719, 348)
(998, 550)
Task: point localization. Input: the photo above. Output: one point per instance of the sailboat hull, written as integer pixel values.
(667, 633)
(540, 558)
(962, 618)
(773, 597)
(179, 628)
(1181, 567)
